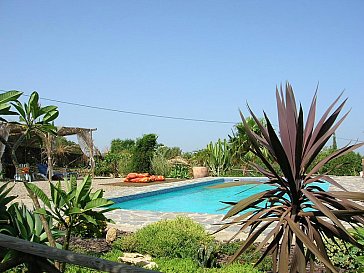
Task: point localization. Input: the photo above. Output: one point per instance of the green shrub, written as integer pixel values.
(91, 230)
(247, 257)
(143, 153)
(125, 163)
(348, 164)
(177, 238)
(180, 171)
(347, 256)
(102, 168)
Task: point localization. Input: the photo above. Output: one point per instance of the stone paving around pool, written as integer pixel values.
(131, 220)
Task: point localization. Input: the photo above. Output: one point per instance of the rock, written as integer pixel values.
(111, 235)
(138, 259)
(151, 265)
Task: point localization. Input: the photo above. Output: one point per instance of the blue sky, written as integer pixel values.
(192, 59)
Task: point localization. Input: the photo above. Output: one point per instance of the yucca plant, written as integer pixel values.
(295, 213)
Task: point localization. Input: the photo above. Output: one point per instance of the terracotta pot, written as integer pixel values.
(199, 172)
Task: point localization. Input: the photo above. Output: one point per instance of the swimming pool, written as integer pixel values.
(197, 198)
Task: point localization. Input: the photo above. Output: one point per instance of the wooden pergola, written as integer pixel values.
(84, 136)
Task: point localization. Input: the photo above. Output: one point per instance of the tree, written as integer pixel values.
(241, 145)
(143, 153)
(119, 145)
(35, 121)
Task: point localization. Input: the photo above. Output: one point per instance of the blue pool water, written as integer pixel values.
(199, 199)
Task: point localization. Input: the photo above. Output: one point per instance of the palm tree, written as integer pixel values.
(241, 144)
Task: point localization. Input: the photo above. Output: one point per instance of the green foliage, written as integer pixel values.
(143, 153)
(102, 168)
(125, 163)
(5, 99)
(348, 164)
(180, 238)
(180, 171)
(188, 265)
(5, 199)
(240, 142)
(35, 119)
(178, 265)
(27, 225)
(74, 207)
(295, 209)
(199, 158)
(169, 152)
(112, 159)
(207, 256)
(250, 256)
(90, 229)
(160, 163)
(219, 157)
(120, 145)
(345, 256)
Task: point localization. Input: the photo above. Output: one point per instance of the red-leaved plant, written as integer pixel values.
(297, 215)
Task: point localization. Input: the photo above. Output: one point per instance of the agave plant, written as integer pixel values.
(295, 213)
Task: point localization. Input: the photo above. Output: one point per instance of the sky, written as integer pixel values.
(187, 59)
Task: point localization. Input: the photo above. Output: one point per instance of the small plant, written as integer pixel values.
(177, 238)
(74, 207)
(180, 171)
(344, 256)
(207, 256)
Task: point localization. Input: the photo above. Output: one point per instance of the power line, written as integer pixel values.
(132, 112)
(152, 115)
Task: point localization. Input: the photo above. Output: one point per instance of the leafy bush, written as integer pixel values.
(125, 163)
(177, 238)
(347, 256)
(89, 229)
(180, 171)
(74, 207)
(102, 167)
(143, 153)
(207, 256)
(250, 256)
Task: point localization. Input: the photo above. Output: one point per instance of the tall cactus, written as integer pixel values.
(219, 157)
